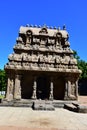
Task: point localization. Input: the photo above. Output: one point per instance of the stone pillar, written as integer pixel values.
(77, 89)
(34, 96)
(51, 90)
(66, 91)
(17, 88)
(10, 87)
(69, 88)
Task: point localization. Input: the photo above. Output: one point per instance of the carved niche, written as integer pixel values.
(29, 36)
(43, 31)
(43, 36)
(58, 39)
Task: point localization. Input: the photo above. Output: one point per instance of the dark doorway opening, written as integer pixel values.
(26, 86)
(59, 88)
(43, 88)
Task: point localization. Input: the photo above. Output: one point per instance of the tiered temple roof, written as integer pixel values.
(42, 49)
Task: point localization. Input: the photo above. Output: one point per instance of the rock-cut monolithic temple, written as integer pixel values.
(42, 66)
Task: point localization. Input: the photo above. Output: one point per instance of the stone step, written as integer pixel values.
(37, 104)
(80, 108)
(71, 107)
(43, 105)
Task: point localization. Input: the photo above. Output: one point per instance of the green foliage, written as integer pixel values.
(82, 65)
(76, 55)
(2, 96)
(2, 80)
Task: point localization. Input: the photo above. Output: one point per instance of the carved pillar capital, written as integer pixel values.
(17, 76)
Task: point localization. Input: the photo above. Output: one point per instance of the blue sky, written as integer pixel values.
(14, 13)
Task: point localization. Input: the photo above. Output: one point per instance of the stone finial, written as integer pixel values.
(31, 25)
(58, 28)
(55, 28)
(44, 26)
(64, 27)
(51, 27)
(27, 25)
(35, 25)
(47, 26)
(39, 26)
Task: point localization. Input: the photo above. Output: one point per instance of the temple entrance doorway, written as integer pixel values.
(26, 86)
(59, 88)
(43, 88)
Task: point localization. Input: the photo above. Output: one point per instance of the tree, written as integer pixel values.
(76, 55)
(2, 80)
(82, 65)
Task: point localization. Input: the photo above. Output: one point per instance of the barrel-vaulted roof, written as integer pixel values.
(47, 31)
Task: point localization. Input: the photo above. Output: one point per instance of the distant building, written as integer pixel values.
(42, 66)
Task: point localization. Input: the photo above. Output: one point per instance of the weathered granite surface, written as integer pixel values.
(42, 60)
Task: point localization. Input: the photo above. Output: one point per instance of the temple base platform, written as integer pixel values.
(38, 104)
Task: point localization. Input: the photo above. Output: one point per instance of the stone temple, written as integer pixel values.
(42, 66)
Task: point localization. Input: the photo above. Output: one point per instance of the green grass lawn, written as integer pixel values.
(2, 96)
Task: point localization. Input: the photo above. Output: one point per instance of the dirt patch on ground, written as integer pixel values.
(24, 128)
(42, 122)
(82, 100)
